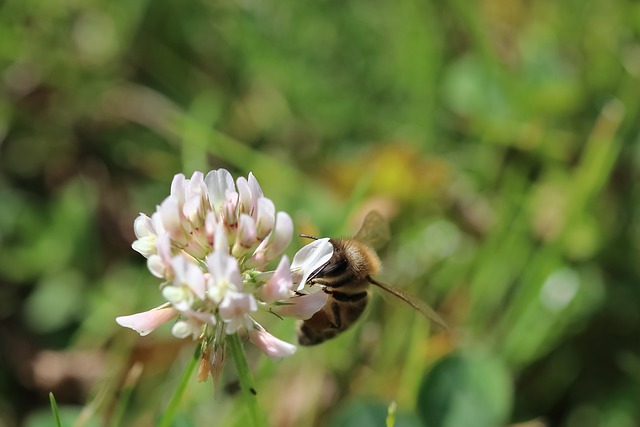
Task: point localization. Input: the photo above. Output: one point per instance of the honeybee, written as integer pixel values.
(346, 278)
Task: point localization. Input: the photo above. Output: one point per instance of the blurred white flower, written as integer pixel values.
(210, 241)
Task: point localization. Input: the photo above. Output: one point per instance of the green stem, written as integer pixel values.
(246, 380)
(170, 413)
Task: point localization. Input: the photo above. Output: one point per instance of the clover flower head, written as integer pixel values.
(211, 241)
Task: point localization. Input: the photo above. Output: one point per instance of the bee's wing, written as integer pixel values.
(414, 302)
(374, 231)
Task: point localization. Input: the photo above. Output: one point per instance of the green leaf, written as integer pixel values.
(465, 389)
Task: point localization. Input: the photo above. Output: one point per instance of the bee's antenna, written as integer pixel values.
(306, 236)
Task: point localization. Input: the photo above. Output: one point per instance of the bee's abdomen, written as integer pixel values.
(346, 297)
(341, 311)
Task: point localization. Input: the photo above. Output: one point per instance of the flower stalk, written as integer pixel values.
(172, 408)
(246, 380)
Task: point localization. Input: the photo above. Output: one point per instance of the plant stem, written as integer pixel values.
(170, 413)
(54, 409)
(246, 380)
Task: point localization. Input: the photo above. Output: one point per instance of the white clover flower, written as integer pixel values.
(210, 241)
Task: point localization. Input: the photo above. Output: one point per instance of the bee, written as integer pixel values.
(346, 277)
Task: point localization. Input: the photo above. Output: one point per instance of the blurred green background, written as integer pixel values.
(500, 137)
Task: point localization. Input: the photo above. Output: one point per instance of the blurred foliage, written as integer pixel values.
(500, 137)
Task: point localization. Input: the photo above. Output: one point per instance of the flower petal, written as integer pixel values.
(143, 227)
(246, 238)
(146, 246)
(270, 345)
(145, 322)
(234, 310)
(309, 259)
(302, 306)
(279, 285)
(223, 274)
(218, 182)
(171, 219)
(280, 236)
(265, 218)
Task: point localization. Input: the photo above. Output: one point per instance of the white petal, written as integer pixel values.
(163, 245)
(236, 305)
(309, 258)
(246, 238)
(256, 191)
(191, 207)
(156, 266)
(197, 185)
(146, 246)
(147, 321)
(245, 200)
(174, 294)
(220, 242)
(170, 214)
(178, 187)
(218, 182)
(281, 235)
(195, 280)
(210, 225)
(142, 226)
(265, 218)
(181, 329)
(223, 271)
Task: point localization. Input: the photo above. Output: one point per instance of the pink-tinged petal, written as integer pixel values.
(163, 245)
(279, 285)
(302, 306)
(188, 274)
(156, 221)
(191, 208)
(270, 345)
(281, 235)
(196, 184)
(210, 225)
(218, 182)
(171, 220)
(230, 208)
(195, 280)
(234, 310)
(195, 198)
(245, 202)
(220, 241)
(178, 188)
(145, 322)
(246, 238)
(224, 275)
(265, 218)
(309, 258)
(259, 258)
(256, 191)
(203, 316)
